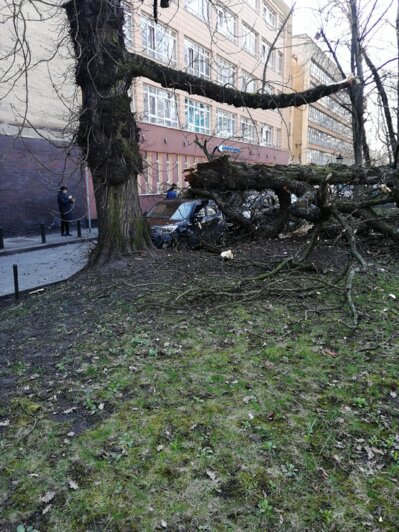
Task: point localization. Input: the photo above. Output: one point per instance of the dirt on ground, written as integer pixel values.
(40, 331)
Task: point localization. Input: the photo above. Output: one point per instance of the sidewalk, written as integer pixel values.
(21, 244)
(42, 264)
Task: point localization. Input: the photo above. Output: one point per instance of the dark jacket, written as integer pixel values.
(171, 194)
(65, 206)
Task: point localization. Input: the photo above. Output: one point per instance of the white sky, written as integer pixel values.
(304, 20)
(382, 44)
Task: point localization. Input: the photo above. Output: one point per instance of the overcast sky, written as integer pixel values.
(382, 44)
(304, 20)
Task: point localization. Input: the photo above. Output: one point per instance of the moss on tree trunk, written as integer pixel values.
(108, 134)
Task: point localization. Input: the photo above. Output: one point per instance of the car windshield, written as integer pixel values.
(182, 212)
(162, 210)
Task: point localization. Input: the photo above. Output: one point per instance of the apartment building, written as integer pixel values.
(322, 131)
(228, 43)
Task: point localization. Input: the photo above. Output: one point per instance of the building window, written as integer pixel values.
(225, 123)
(199, 8)
(226, 22)
(197, 116)
(159, 107)
(266, 136)
(248, 82)
(280, 62)
(249, 39)
(128, 25)
(197, 59)
(254, 4)
(158, 41)
(315, 136)
(270, 15)
(226, 72)
(145, 180)
(326, 121)
(248, 130)
(279, 138)
(264, 51)
(319, 74)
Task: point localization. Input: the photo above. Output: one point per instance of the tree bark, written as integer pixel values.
(140, 66)
(108, 134)
(311, 183)
(222, 175)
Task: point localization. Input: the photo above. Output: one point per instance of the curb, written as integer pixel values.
(37, 247)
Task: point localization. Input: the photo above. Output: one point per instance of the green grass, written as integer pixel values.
(249, 418)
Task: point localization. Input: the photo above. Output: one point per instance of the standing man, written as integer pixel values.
(171, 193)
(65, 204)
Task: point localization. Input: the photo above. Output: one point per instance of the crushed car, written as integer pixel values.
(185, 223)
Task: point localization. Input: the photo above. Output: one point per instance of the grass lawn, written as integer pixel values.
(274, 414)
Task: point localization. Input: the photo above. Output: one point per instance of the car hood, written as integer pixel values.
(153, 221)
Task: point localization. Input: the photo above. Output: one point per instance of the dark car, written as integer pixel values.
(185, 223)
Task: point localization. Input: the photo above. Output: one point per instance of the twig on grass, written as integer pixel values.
(348, 295)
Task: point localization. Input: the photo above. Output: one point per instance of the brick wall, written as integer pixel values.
(31, 172)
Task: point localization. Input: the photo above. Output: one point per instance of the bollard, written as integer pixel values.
(16, 285)
(1, 238)
(79, 228)
(43, 233)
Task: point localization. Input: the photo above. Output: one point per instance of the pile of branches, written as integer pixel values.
(356, 199)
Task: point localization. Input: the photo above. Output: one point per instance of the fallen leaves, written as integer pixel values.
(212, 475)
(47, 497)
(73, 485)
(249, 398)
(70, 410)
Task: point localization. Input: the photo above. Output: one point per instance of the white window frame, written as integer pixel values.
(264, 52)
(199, 8)
(160, 106)
(280, 61)
(197, 59)
(249, 39)
(226, 22)
(248, 82)
(266, 135)
(127, 25)
(270, 16)
(278, 138)
(254, 4)
(226, 72)
(202, 116)
(158, 41)
(248, 130)
(225, 124)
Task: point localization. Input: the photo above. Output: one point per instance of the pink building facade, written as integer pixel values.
(228, 43)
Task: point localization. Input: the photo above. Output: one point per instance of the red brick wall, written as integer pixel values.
(31, 172)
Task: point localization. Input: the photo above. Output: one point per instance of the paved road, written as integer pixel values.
(43, 266)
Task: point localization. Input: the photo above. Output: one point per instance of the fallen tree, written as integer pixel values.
(316, 187)
(355, 199)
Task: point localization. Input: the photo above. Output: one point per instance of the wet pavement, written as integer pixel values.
(40, 264)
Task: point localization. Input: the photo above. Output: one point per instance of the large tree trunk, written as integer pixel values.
(108, 134)
(311, 183)
(120, 222)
